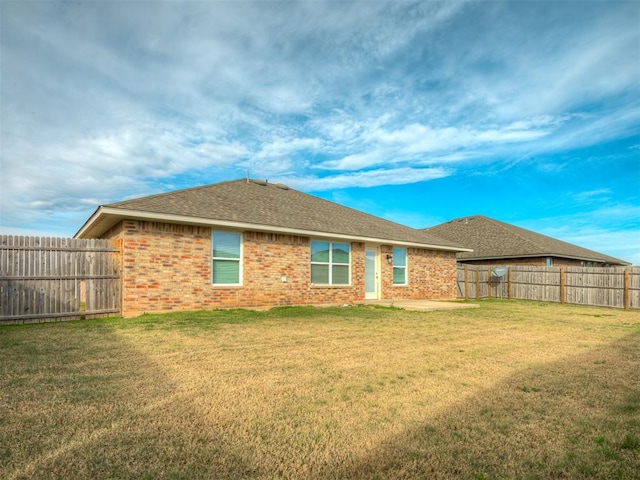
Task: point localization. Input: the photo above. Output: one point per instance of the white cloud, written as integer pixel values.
(106, 166)
(363, 179)
(103, 100)
(592, 195)
(416, 143)
(281, 147)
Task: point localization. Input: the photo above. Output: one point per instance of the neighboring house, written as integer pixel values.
(498, 243)
(248, 243)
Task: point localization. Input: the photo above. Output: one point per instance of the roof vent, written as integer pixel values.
(282, 186)
(259, 182)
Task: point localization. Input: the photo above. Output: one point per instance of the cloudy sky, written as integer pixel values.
(419, 112)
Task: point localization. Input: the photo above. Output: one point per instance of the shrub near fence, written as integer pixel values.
(603, 287)
(43, 279)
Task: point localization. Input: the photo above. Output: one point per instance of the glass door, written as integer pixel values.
(371, 274)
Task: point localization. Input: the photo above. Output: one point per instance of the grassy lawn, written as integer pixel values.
(508, 390)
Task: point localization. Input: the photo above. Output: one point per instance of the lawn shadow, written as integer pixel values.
(577, 418)
(78, 409)
(75, 411)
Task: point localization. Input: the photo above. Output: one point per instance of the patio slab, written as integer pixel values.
(422, 305)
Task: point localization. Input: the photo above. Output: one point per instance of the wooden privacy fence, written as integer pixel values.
(44, 279)
(603, 287)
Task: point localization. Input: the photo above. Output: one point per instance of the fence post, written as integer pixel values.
(627, 296)
(121, 279)
(563, 290)
(478, 282)
(509, 283)
(489, 283)
(466, 282)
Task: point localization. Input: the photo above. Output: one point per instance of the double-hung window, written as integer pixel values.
(399, 266)
(330, 263)
(225, 266)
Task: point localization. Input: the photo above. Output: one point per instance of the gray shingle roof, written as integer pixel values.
(259, 203)
(491, 239)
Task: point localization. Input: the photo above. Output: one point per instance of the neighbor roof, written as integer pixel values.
(492, 239)
(258, 205)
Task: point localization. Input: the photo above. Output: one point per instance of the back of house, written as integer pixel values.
(250, 243)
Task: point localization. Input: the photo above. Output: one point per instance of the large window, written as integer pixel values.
(225, 266)
(399, 266)
(329, 263)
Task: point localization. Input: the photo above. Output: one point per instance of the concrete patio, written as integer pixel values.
(421, 305)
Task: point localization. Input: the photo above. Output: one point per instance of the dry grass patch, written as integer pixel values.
(509, 390)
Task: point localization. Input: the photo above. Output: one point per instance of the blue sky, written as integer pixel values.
(419, 112)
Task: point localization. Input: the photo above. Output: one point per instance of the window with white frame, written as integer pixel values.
(330, 263)
(226, 254)
(399, 266)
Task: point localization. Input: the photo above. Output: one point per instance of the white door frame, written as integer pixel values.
(375, 295)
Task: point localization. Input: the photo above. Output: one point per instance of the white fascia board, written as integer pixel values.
(89, 223)
(182, 219)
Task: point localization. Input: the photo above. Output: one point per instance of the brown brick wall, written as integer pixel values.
(270, 258)
(167, 267)
(431, 274)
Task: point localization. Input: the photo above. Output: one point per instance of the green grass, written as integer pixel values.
(509, 390)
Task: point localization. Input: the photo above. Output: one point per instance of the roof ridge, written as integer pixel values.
(265, 184)
(517, 231)
(244, 202)
(542, 247)
(171, 192)
(512, 241)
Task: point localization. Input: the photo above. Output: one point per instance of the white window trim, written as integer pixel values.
(239, 260)
(405, 267)
(330, 264)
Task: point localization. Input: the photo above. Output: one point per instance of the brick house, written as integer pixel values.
(497, 243)
(249, 243)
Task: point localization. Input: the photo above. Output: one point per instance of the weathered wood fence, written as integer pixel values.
(604, 287)
(47, 279)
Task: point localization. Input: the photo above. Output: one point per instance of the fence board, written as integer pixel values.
(634, 288)
(604, 287)
(46, 278)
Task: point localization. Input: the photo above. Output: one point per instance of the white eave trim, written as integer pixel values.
(182, 219)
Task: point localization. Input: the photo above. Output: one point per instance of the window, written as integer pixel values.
(329, 263)
(549, 262)
(399, 266)
(225, 267)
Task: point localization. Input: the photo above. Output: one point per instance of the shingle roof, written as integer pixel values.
(491, 239)
(262, 204)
